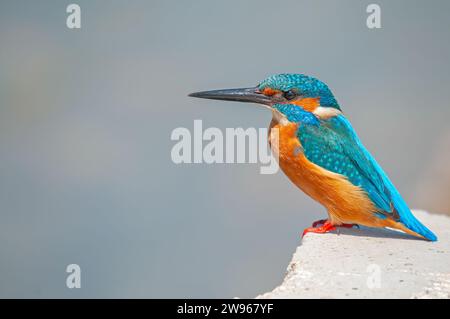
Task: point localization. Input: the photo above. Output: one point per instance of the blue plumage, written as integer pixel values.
(334, 145)
(296, 114)
(305, 85)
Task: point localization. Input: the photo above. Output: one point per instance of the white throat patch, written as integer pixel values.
(279, 117)
(326, 112)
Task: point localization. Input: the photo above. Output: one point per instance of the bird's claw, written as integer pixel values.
(325, 227)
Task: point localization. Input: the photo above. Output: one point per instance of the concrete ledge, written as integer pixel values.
(370, 263)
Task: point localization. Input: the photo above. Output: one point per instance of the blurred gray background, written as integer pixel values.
(86, 116)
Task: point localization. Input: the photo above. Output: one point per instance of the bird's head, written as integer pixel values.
(297, 91)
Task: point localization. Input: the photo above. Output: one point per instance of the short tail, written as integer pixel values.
(404, 217)
(414, 225)
(407, 222)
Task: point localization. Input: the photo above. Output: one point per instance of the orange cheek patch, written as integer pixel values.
(269, 91)
(308, 103)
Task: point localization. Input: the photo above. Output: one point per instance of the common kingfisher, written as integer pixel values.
(319, 151)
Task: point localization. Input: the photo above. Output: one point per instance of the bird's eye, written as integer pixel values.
(289, 95)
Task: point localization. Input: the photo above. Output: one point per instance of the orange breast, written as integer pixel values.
(345, 202)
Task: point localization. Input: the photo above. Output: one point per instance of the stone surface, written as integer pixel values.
(370, 263)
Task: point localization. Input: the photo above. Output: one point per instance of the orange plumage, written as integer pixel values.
(345, 202)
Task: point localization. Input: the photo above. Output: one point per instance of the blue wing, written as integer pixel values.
(334, 146)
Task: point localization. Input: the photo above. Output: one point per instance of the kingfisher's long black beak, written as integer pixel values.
(240, 95)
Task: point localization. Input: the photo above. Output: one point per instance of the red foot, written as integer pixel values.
(325, 227)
